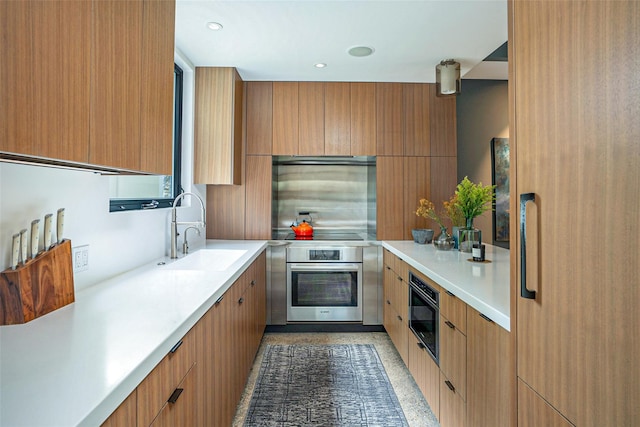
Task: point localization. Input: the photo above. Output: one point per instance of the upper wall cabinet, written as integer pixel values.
(73, 89)
(218, 126)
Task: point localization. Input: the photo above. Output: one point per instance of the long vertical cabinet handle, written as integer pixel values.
(524, 199)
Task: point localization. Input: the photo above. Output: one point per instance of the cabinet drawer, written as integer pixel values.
(454, 309)
(157, 387)
(453, 356)
(425, 372)
(179, 409)
(452, 406)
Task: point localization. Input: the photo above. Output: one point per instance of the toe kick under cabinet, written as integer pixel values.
(470, 384)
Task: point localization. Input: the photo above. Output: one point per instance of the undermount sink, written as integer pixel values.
(208, 260)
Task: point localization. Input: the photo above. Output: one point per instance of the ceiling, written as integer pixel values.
(282, 40)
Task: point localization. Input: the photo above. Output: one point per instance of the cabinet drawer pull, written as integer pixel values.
(388, 302)
(253, 283)
(175, 347)
(400, 318)
(449, 324)
(524, 199)
(241, 300)
(388, 268)
(219, 300)
(450, 294)
(486, 318)
(175, 395)
(420, 345)
(451, 387)
(400, 278)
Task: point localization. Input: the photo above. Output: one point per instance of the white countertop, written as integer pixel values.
(75, 365)
(483, 286)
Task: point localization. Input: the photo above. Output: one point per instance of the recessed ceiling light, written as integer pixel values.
(360, 51)
(320, 65)
(214, 26)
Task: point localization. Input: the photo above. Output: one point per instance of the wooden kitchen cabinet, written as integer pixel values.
(285, 118)
(337, 119)
(488, 395)
(258, 197)
(311, 129)
(389, 122)
(425, 372)
(452, 405)
(181, 408)
(156, 389)
(442, 125)
(396, 303)
(363, 119)
(73, 88)
(574, 146)
(416, 123)
(126, 415)
(390, 198)
(416, 180)
(453, 355)
(218, 126)
(259, 118)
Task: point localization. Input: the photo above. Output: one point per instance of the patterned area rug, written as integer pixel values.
(323, 385)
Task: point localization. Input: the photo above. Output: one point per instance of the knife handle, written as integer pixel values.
(60, 225)
(15, 251)
(35, 236)
(47, 231)
(23, 245)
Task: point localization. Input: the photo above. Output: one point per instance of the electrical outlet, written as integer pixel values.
(80, 256)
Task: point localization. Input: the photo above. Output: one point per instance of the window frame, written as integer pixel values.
(124, 205)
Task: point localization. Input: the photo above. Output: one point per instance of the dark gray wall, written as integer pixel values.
(482, 114)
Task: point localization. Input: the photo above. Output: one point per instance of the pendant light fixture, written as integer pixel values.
(448, 82)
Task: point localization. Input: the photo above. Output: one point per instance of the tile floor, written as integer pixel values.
(414, 406)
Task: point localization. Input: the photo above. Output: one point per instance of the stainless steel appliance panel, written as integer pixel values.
(372, 299)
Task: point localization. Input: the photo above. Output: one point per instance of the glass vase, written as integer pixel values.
(468, 237)
(444, 242)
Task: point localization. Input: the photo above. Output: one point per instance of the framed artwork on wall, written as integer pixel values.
(500, 178)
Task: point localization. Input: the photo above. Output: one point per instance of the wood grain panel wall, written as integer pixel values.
(285, 118)
(311, 130)
(443, 134)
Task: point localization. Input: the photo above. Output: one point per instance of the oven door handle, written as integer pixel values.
(324, 266)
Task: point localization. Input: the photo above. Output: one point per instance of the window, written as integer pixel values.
(154, 191)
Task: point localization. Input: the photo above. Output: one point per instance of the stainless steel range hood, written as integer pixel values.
(325, 160)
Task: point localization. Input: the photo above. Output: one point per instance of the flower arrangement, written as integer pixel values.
(426, 209)
(453, 212)
(474, 199)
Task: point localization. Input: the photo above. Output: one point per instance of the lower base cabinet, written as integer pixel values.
(426, 373)
(452, 406)
(200, 382)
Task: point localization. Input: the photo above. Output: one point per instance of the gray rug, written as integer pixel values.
(323, 385)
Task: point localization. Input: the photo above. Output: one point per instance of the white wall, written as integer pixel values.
(117, 241)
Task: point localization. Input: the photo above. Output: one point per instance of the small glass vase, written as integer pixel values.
(468, 237)
(444, 242)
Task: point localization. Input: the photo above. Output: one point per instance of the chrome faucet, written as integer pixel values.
(175, 223)
(185, 244)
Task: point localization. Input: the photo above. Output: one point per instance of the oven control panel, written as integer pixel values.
(429, 292)
(324, 254)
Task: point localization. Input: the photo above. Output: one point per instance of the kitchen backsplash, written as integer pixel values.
(340, 195)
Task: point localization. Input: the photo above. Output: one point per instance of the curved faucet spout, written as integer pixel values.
(174, 223)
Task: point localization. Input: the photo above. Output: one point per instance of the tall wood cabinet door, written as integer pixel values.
(533, 411)
(116, 83)
(44, 89)
(453, 356)
(225, 211)
(311, 118)
(443, 124)
(285, 119)
(574, 93)
(390, 201)
(363, 119)
(443, 179)
(417, 119)
(337, 119)
(224, 341)
(416, 179)
(156, 108)
(389, 122)
(259, 118)
(258, 198)
(489, 400)
(425, 372)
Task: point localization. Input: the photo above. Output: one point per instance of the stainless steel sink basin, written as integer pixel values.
(207, 260)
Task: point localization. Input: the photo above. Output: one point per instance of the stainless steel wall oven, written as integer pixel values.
(424, 314)
(324, 284)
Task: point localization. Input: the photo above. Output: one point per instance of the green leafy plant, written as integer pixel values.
(474, 199)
